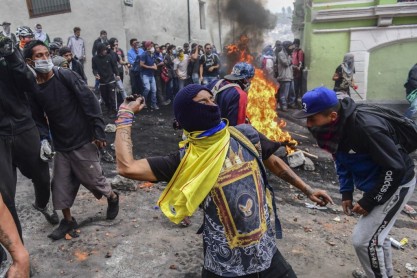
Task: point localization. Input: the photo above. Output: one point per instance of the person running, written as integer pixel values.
(77, 129)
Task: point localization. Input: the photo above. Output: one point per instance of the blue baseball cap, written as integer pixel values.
(315, 101)
(241, 70)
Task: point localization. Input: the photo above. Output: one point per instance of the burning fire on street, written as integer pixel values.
(262, 104)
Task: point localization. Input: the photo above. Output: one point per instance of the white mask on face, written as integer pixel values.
(164, 51)
(43, 66)
(152, 50)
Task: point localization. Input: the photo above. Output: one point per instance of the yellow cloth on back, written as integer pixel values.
(196, 175)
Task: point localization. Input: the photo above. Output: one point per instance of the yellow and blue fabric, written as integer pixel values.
(197, 173)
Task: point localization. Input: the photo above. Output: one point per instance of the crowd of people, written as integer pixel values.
(48, 114)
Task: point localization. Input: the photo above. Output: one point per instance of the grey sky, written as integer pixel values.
(276, 5)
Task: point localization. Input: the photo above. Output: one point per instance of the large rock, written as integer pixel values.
(308, 164)
(122, 183)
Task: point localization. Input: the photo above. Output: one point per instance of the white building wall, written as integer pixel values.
(158, 20)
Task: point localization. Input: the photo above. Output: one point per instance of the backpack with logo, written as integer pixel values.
(405, 129)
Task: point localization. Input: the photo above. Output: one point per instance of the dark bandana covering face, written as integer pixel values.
(194, 116)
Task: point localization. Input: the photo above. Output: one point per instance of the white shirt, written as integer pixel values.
(77, 46)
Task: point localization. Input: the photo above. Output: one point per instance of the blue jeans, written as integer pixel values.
(196, 78)
(411, 112)
(149, 85)
(286, 92)
(208, 79)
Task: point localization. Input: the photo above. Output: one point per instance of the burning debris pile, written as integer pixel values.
(252, 21)
(262, 102)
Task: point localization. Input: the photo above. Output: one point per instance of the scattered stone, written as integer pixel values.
(308, 229)
(122, 183)
(296, 159)
(111, 128)
(68, 237)
(300, 196)
(295, 219)
(173, 266)
(336, 219)
(108, 255)
(308, 164)
(331, 243)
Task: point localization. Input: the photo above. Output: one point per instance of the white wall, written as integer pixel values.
(158, 20)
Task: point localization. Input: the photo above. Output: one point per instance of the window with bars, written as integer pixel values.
(38, 8)
(202, 10)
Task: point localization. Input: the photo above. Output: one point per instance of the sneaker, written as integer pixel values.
(155, 107)
(165, 103)
(50, 215)
(357, 273)
(112, 207)
(64, 228)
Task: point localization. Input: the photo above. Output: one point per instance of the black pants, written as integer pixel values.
(108, 95)
(22, 151)
(279, 268)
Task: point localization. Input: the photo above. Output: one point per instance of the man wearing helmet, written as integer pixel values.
(25, 35)
(231, 93)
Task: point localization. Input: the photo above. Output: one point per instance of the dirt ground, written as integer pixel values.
(141, 242)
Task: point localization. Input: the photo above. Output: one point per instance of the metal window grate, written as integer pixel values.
(39, 8)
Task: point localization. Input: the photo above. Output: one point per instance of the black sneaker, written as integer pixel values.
(50, 215)
(113, 207)
(63, 228)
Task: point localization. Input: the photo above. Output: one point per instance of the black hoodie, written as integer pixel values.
(15, 81)
(369, 157)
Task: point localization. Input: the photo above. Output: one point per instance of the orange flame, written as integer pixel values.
(262, 103)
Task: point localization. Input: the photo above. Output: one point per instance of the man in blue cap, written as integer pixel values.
(368, 157)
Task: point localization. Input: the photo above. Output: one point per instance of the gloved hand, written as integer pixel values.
(6, 46)
(46, 151)
(355, 87)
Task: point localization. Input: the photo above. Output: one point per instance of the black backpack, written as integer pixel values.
(405, 129)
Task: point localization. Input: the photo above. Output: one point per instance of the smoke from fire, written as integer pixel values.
(247, 17)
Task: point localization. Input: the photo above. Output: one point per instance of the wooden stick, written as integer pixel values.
(310, 154)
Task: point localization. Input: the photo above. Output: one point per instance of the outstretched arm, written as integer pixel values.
(127, 166)
(277, 166)
(10, 239)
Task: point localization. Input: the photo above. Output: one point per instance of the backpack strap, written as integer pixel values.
(247, 144)
(218, 89)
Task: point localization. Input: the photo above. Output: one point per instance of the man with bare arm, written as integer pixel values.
(222, 169)
(10, 239)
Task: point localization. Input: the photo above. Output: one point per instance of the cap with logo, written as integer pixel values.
(241, 71)
(315, 101)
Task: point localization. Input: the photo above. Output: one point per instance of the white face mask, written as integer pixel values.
(164, 51)
(43, 66)
(152, 50)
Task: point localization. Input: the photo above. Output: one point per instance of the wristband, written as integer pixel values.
(124, 117)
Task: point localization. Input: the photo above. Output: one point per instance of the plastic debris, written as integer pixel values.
(313, 206)
(395, 243)
(410, 267)
(337, 219)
